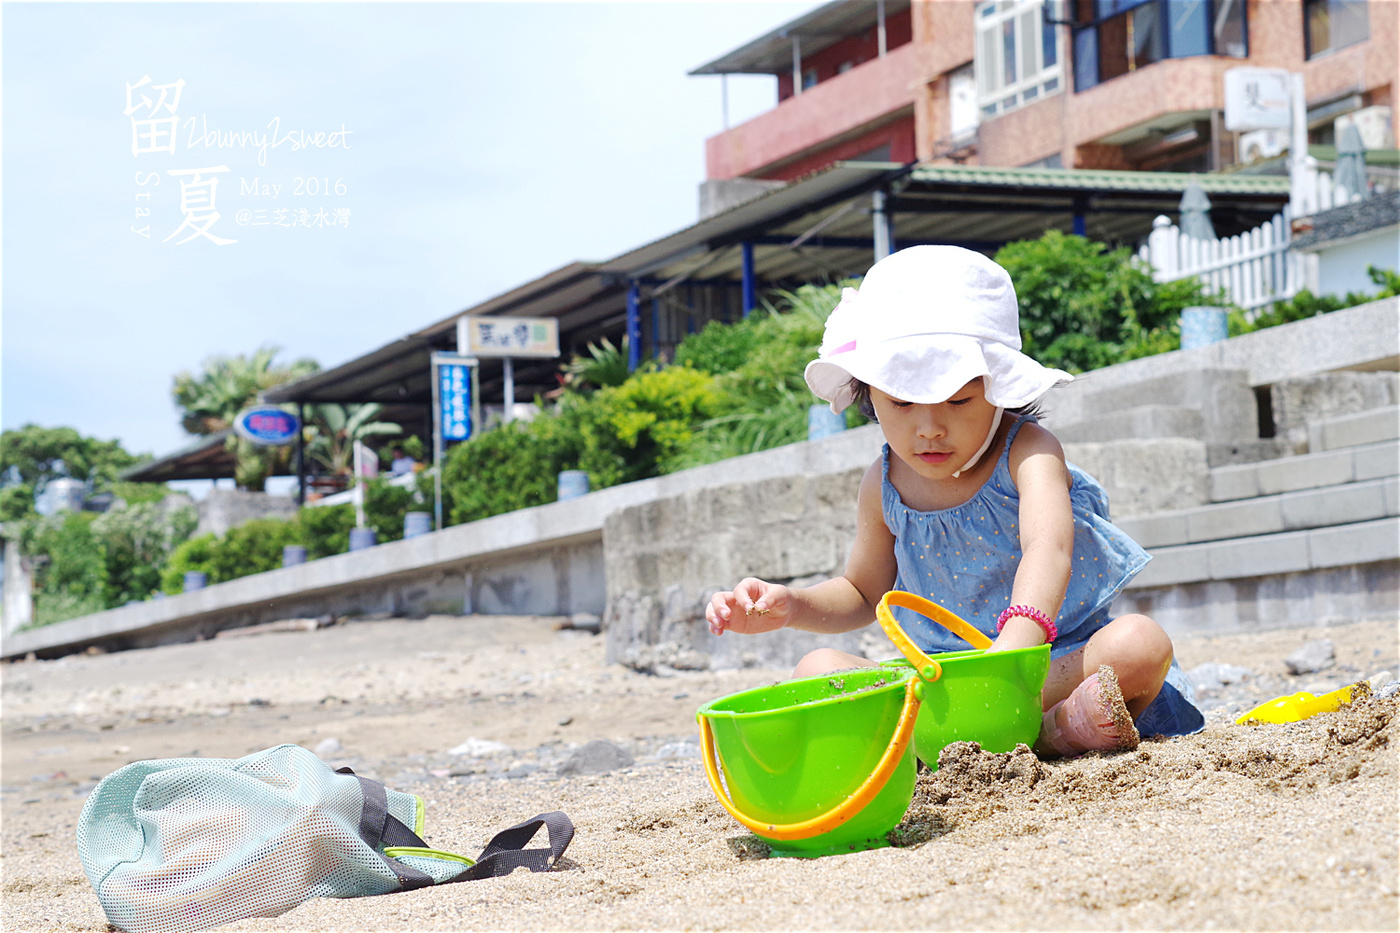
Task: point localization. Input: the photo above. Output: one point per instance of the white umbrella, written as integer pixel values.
(1350, 172)
(1195, 213)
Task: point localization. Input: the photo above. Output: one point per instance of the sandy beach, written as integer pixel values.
(1272, 827)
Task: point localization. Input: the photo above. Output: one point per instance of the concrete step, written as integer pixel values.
(1306, 471)
(1365, 427)
(1348, 503)
(1264, 555)
(1139, 422)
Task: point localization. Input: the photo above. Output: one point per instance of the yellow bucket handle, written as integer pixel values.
(928, 668)
(844, 810)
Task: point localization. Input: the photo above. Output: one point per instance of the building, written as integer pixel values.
(1102, 84)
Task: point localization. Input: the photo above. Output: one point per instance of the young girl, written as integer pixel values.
(972, 505)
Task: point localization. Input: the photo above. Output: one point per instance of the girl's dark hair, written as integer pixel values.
(861, 399)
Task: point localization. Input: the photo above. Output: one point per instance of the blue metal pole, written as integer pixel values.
(748, 299)
(655, 328)
(634, 326)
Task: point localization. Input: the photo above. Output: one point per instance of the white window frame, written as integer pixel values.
(994, 97)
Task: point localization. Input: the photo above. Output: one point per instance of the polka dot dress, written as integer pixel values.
(965, 558)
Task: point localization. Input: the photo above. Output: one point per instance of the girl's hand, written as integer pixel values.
(754, 606)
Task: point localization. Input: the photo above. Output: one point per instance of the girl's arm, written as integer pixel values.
(841, 604)
(1038, 468)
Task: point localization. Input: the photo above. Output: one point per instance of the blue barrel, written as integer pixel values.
(823, 422)
(1201, 327)
(195, 580)
(572, 484)
(293, 554)
(361, 538)
(416, 523)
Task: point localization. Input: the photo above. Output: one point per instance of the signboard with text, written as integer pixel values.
(454, 400)
(267, 426)
(1257, 99)
(508, 336)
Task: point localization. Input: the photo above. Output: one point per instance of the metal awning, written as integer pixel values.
(821, 28)
(206, 458)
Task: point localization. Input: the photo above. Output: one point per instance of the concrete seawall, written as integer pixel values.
(645, 555)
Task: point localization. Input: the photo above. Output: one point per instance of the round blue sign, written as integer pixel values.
(269, 426)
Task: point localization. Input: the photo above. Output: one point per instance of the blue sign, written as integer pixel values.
(271, 427)
(455, 401)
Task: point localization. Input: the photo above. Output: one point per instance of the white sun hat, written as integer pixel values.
(926, 321)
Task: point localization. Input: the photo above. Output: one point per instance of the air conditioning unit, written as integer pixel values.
(1262, 144)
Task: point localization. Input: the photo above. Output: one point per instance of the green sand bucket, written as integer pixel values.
(992, 699)
(816, 766)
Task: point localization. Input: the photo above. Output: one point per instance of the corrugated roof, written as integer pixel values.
(1099, 180)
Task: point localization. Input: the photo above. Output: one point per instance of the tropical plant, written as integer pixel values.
(604, 366)
(334, 429)
(226, 385)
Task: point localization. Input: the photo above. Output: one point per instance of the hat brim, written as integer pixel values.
(930, 368)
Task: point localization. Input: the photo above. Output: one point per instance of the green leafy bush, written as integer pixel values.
(69, 566)
(513, 466)
(1305, 304)
(136, 542)
(763, 397)
(1084, 306)
(325, 530)
(194, 554)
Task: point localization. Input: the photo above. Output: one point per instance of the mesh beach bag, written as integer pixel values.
(192, 843)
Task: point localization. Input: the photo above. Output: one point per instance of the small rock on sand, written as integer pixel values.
(597, 757)
(1313, 657)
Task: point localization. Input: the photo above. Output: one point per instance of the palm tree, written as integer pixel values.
(225, 386)
(334, 429)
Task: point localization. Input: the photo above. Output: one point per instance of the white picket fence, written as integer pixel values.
(1314, 191)
(1254, 268)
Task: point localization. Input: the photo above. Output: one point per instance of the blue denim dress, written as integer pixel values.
(965, 558)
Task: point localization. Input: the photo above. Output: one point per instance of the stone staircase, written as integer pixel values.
(1310, 536)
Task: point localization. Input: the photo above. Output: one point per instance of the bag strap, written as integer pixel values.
(379, 828)
(506, 851)
(503, 854)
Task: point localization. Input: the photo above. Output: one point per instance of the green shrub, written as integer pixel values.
(1084, 306)
(194, 554)
(513, 466)
(16, 502)
(629, 431)
(325, 530)
(69, 566)
(1305, 304)
(252, 547)
(137, 541)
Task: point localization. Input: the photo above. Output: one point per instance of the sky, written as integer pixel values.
(374, 168)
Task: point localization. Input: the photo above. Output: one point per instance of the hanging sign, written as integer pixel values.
(454, 385)
(267, 426)
(508, 336)
(1257, 99)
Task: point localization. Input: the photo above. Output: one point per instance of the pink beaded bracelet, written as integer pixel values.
(1032, 613)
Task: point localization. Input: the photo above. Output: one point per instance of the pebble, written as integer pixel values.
(597, 757)
(1213, 676)
(327, 747)
(480, 748)
(1313, 657)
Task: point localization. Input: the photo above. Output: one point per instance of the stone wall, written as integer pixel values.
(223, 509)
(665, 558)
